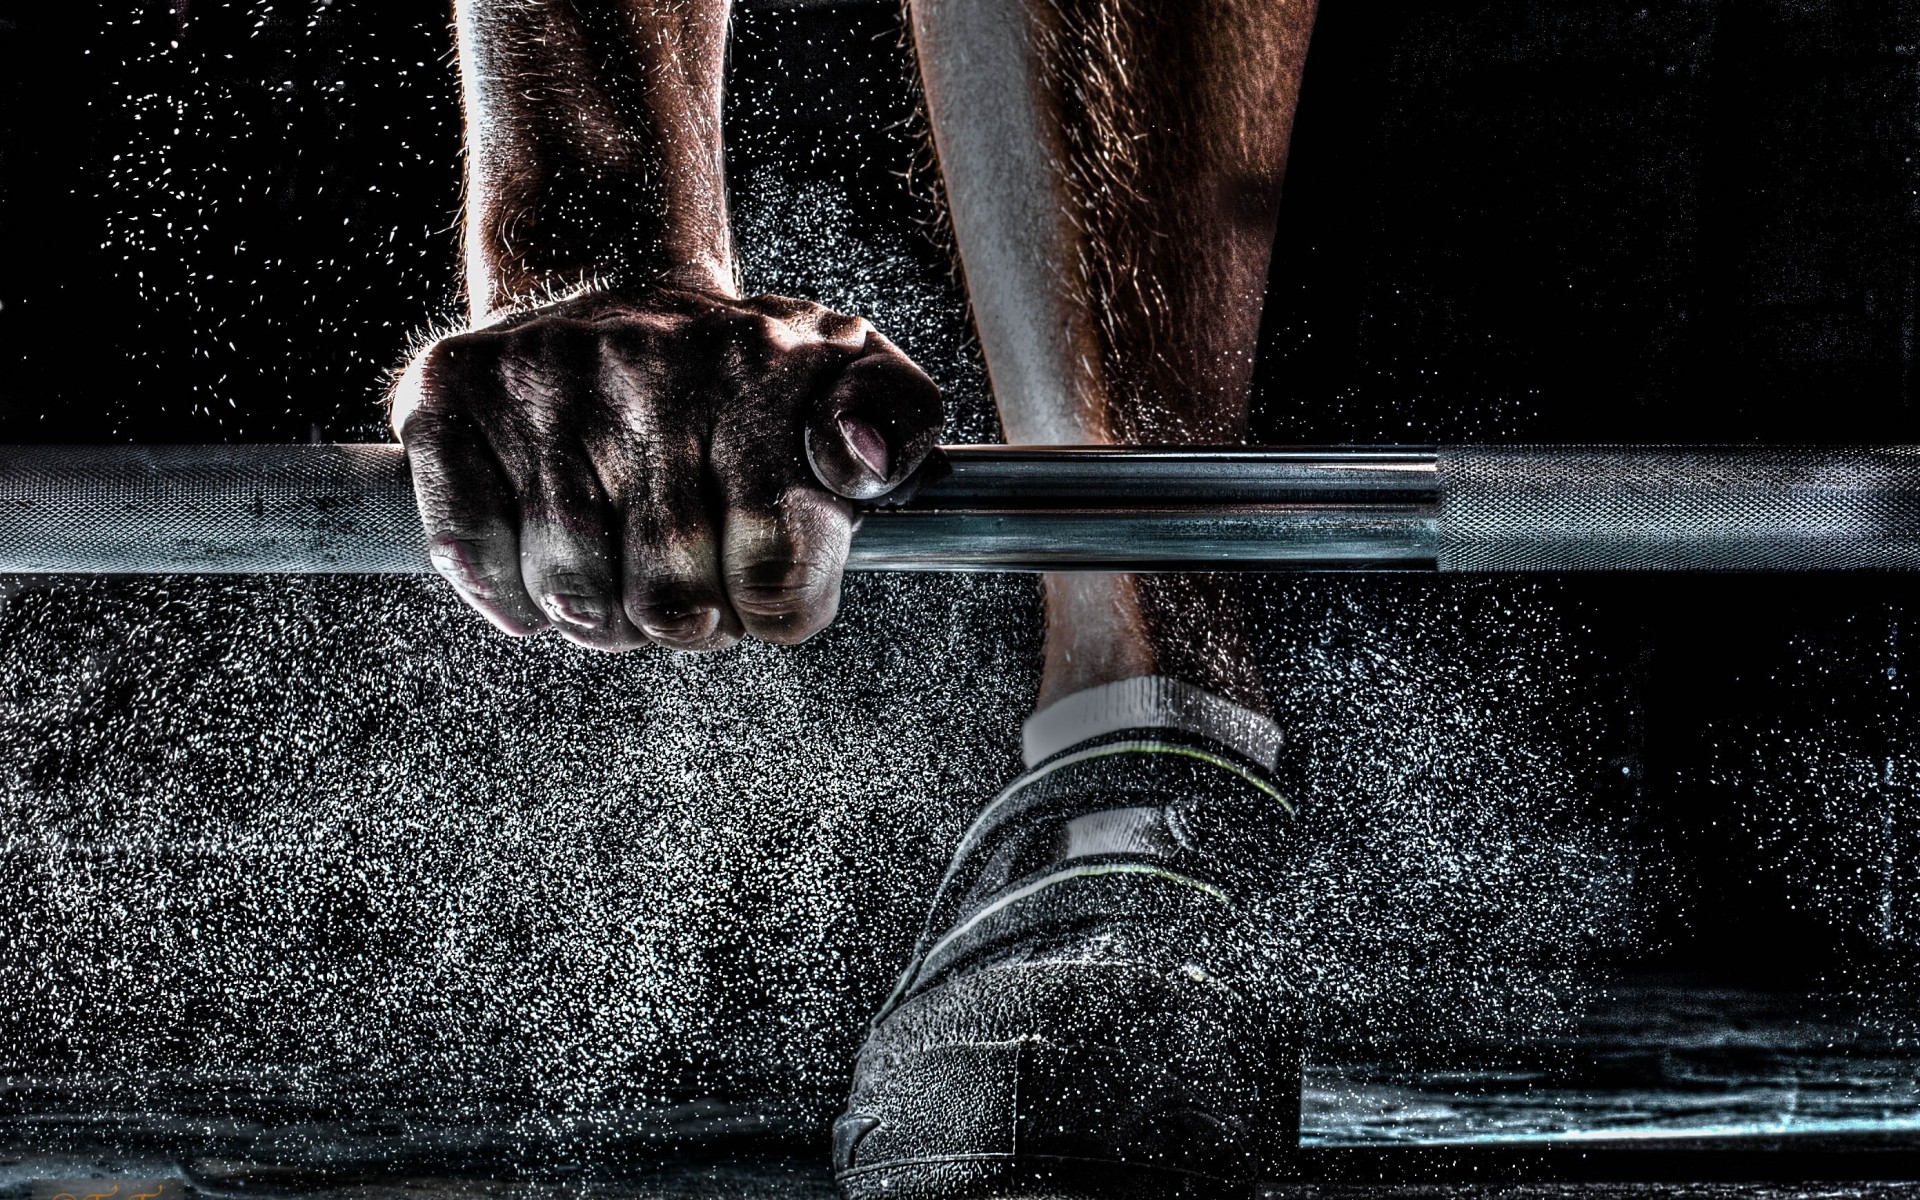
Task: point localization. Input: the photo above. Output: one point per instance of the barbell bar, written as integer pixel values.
(245, 509)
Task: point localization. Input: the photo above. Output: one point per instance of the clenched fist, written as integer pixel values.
(669, 465)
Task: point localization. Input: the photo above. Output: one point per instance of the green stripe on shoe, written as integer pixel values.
(1108, 751)
(1002, 902)
(973, 832)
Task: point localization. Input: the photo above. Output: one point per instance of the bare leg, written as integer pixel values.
(1113, 169)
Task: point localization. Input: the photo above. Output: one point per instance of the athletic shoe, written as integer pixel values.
(1088, 1012)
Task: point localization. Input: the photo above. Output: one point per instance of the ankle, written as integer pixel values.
(1095, 634)
(1103, 629)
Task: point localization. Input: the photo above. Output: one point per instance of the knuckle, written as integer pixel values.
(788, 307)
(622, 341)
(750, 332)
(458, 355)
(573, 595)
(573, 598)
(778, 587)
(801, 316)
(571, 582)
(850, 331)
(761, 327)
(611, 343)
(561, 339)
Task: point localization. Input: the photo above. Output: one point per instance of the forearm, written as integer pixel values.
(593, 144)
(1113, 170)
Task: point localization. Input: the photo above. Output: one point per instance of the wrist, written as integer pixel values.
(624, 282)
(707, 274)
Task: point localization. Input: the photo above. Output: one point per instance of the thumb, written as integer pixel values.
(875, 425)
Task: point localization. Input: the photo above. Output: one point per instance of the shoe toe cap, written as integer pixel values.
(1056, 1065)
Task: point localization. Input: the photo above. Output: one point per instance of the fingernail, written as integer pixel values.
(866, 445)
(692, 625)
(577, 610)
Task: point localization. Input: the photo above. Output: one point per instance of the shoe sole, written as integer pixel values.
(1024, 1082)
(1035, 1178)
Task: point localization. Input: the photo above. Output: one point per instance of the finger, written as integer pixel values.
(875, 424)
(781, 560)
(467, 510)
(653, 467)
(670, 562)
(783, 539)
(568, 555)
(465, 502)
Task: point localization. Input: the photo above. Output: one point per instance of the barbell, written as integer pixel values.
(228, 509)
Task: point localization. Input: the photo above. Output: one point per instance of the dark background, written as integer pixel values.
(1578, 220)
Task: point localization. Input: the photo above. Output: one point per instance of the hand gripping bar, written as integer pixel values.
(349, 509)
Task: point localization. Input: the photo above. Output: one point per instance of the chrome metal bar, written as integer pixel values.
(249, 509)
(1000, 508)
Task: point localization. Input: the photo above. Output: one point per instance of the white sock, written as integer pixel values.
(1144, 702)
